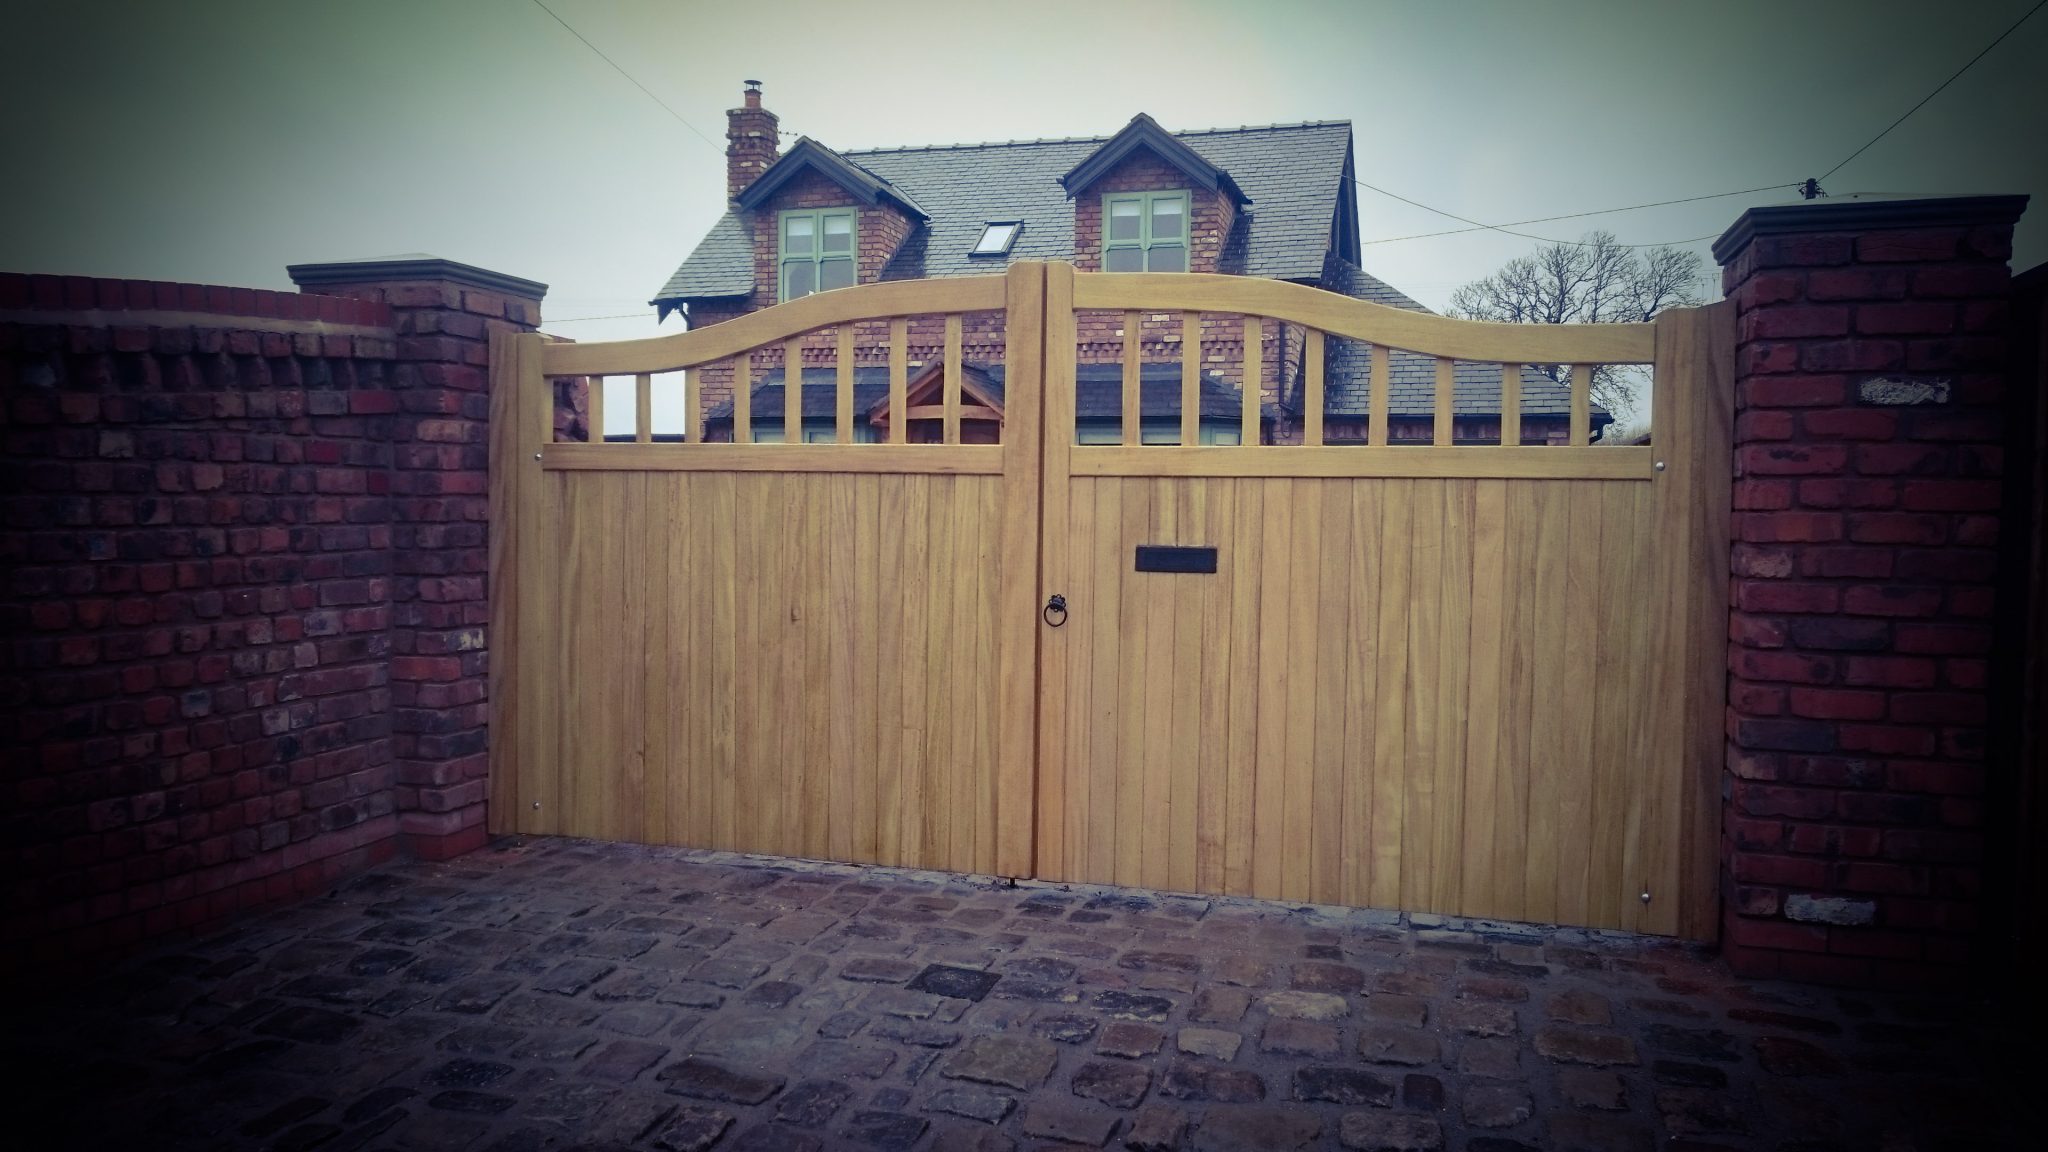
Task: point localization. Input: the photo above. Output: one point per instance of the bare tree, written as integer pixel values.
(1596, 281)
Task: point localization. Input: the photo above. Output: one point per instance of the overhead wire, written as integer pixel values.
(2014, 27)
(1509, 227)
(628, 75)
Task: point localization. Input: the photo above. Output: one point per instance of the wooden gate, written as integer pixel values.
(1464, 678)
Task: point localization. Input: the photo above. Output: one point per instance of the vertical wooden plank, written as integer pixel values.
(899, 367)
(1425, 625)
(793, 391)
(1617, 677)
(1443, 426)
(1211, 809)
(863, 709)
(1156, 746)
(1297, 819)
(1575, 776)
(1453, 692)
(779, 801)
(1103, 619)
(1190, 378)
(1547, 741)
(914, 578)
(636, 797)
(1511, 404)
(1029, 330)
(1390, 713)
(1130, 716)
(950, 386)
(1362, 574)
(1133, 353)
(674, 748)
(986, 692)
(842, 408)
(1241, 763)
(965, 686)
(1331, 639)
(743, 399)
(728, 622)
(823, 817)
(1582, 404)
(1276, 591)
(1376, 398)
(1185, 755)
(892, 516)
(1517, 658)
(1063, 849)
(594, 410)
(1312, 404)
(1483, 713)
(941, 774)
(1254, 380)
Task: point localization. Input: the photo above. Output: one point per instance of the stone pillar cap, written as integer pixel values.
(1867, 213)
(412, 266)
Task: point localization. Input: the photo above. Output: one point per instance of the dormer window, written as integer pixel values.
(996, 238)
(817, 251)
(1145, 232)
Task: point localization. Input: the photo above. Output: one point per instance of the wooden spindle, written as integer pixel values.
(1511, 404)
(843, 416)
(899, 367)
(1582, 404)
(793, 391)
(950, 386)
(643, 409)
(693, 407)
(1190, 378)
(595, 390)
(1446, 387)
(1376, 405)
(1248, 427)
(742, 399)
(1312, 399)
(1133, 408)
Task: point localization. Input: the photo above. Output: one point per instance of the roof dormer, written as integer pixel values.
(807, 155)
(1145, 132)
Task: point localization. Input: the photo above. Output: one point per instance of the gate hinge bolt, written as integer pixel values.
(1646, 891)
(1659, 465)
(536, 808)
(536, 456)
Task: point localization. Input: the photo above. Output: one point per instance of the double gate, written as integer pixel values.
(1476, 679)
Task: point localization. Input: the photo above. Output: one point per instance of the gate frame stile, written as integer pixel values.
(1059, 811)
(1020, 664)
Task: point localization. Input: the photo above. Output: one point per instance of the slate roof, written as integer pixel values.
(1292, 174)
(1476, 391)
(1098, 393)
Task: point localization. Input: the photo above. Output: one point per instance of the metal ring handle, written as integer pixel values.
(1056, 604)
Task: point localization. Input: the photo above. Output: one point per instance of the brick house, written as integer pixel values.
(1258, 201)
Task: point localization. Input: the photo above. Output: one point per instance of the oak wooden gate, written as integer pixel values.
(1477, 679)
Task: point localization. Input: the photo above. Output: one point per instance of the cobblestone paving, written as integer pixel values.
(550, 994)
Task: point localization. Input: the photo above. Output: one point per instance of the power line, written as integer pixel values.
(581, 319)
(1478, 227)
(628, 76)
(1938, 88)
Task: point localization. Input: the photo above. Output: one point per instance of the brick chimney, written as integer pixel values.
(750, 141)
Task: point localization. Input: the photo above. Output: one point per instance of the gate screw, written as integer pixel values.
(1646, 891)
(536, 808)
(1660, 464)
(536, 456)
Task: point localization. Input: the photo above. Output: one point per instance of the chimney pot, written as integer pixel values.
(753, 94)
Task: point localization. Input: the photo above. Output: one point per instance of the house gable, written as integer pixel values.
(1212, 214)
(880, 229)
(1143, 134)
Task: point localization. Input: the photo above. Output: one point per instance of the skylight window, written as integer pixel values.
(996, 238)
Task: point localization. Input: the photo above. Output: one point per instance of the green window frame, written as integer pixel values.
(816, 251)
(1145, 231)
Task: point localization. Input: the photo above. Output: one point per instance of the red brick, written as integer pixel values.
(1859, 355)
(1951, 495)
(1791, 460)
(1889, 671)
(1938, 708)
(1909, 245)
(1790, 667)
(1788, 527)
(1837, 704)
(1794, 391)
(1864, 562)
(1849, 424)
(1856, 284)
(1886, 740)
(1762, 495)
(1763, 424)
(1892, 600)
(1897, 459)
(1785, 596)
(1897, 528)
(1845, 493)
(1908, 319)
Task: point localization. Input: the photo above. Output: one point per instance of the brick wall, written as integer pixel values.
(1866, 526)
(243, 569)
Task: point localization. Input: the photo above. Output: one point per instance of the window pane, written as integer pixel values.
(1159, 432)
(1171, 258)
(767, 433)
(798, 279)
(796, 235)
(1214, 434)
(1097, 433)
(1167, 218)
(995, 238)
(834, 274)
(1123, 260)
(838, 234)
(1123, 219)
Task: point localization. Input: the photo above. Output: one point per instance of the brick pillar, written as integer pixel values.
(1871, 345)
(443, 313)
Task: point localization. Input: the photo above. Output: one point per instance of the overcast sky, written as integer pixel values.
(219, 141)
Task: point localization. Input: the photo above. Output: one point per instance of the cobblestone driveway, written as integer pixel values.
(559, 994)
